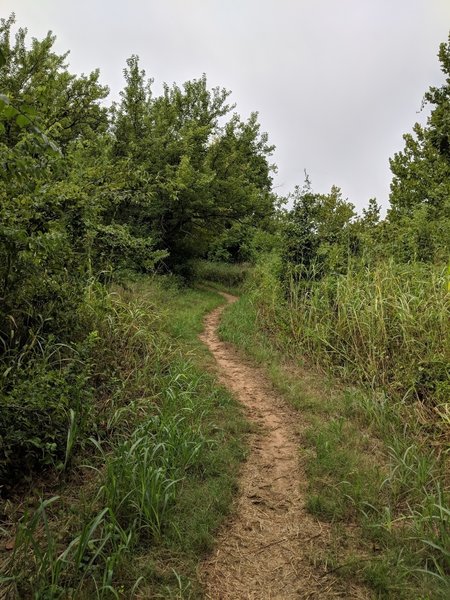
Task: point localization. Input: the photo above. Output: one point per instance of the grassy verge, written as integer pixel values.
(138, 502)
(371, 472)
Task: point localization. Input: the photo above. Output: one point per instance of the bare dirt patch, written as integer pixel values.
(267, 549)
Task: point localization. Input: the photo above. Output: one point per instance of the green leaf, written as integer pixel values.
(54, 147)
(10, 111)
(22, 121)
(29, 111)
(2, 58)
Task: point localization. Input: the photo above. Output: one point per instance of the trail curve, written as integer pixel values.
(266, 549)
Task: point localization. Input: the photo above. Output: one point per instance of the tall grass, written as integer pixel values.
(144, 472)
(46, 567)
(228, 275)
(387, 327)
(378, 453)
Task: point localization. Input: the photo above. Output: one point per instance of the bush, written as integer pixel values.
(43, 404)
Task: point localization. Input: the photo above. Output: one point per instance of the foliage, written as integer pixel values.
(86, 195)
(386, 327)
(44, 400)
(420, 192)
(83, 194)
(194, 178)
(230, 276)
(44, 218)
(318, 234)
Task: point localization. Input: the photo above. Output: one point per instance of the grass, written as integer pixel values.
(148, 449)
(220, 275)
(387, 327)
(371, 469)
(138, 503)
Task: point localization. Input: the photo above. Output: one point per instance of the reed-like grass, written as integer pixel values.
(387, 327)
(230, 276)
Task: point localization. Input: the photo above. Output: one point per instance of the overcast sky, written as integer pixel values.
(336, 82)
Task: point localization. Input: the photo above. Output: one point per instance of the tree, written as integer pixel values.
(190, 175)
(420, 190)
(318, 235)
(63, 105)
(131, 116)
(46, 216)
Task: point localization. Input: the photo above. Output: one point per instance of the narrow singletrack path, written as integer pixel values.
(267, 548)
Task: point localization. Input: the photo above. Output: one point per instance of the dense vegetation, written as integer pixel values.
(98, 374)
(86, 193)
(377, 467)
(95, 376)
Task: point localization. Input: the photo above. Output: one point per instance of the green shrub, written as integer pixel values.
(35, 412)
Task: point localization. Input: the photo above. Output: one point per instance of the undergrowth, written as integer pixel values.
(141, 487)
(374, 460)
(222, 275)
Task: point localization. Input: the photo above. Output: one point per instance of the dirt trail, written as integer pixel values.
(267, 549)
